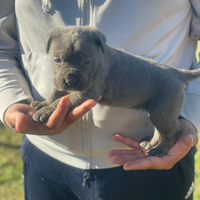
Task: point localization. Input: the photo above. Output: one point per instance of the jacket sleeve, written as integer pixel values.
(191, 108)
(195, 22)
(13, 84)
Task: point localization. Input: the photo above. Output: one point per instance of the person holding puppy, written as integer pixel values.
(93, 152)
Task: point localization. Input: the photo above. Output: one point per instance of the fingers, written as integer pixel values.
(59, 120)
(136, 160)
(127, 141)
(123, 159)
(147, 163)
(113, 153)
(79, 111)
(166, 162)
(58, 116)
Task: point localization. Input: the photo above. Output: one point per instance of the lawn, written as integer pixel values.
(11, 182)
(197, 157)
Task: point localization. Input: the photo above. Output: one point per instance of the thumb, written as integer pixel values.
(191, 140)
(185, 142)
(22, 122)
(17, 117)
(189, 135)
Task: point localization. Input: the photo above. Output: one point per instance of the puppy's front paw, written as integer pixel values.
(37, 105)
(43, 114)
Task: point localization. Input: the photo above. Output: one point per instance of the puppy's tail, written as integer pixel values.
(188, 75)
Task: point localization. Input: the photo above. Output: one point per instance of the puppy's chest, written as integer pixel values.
(112, 98)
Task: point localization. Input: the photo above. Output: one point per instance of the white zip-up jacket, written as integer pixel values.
(166, 31)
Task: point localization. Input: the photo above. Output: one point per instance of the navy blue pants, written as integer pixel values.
(45, 178)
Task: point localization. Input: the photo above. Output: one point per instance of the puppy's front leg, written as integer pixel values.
(55, 94)
(77, 98)
(46, 108)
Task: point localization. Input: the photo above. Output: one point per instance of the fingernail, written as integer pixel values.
(65, 101)
(92, 105)
(117, 135)
(108, 155)
(126, 167)
(192, 140)
(99, 98)
(188, 141)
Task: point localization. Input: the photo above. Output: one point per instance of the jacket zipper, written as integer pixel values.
(86, 175)
(87, 10)
(85, 138)
(85, 20)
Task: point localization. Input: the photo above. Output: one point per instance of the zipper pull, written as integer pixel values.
(86, 175)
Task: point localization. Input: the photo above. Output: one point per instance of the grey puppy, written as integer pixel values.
(84, 67)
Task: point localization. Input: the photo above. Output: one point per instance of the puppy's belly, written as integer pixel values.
(124, 103)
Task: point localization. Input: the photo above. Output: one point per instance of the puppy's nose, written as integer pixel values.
(71, 80)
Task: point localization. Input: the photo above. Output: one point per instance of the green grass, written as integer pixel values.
(197, 174)
(11, 182)
(198, 51)
(197, 157)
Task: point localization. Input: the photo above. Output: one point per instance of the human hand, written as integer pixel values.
(19, 117)
(137, 159)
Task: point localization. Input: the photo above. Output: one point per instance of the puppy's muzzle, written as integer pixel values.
(71, 80)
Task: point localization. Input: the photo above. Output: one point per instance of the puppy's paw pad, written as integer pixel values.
(42, 115)
(45, 116)
(36, 117)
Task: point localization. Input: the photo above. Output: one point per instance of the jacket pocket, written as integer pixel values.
(39, 72)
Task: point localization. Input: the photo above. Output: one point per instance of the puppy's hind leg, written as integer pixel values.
(168, 137)
(150, 141)
(164, 115)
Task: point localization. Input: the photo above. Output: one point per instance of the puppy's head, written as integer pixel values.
(76, 56)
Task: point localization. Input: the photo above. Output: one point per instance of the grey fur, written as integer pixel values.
(84, 67)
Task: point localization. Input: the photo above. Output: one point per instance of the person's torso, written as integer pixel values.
(154, 29)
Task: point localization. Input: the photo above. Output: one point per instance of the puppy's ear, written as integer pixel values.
(99, 38)
(52, 35)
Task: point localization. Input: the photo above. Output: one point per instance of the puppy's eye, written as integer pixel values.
(86, 62)
(57, 60)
